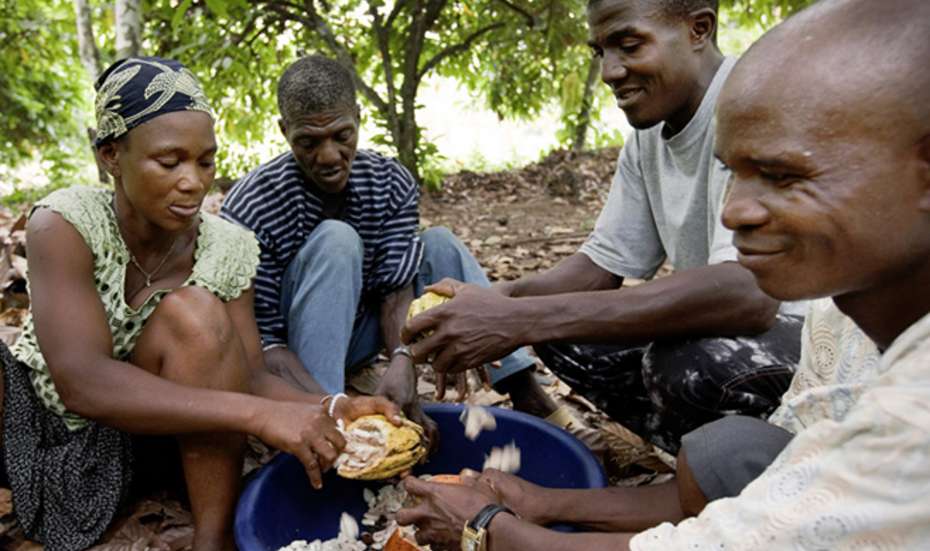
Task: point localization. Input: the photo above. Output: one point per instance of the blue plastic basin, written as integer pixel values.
(279, 506)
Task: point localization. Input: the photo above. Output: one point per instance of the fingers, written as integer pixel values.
(417, 487)
(468, 475)
(425, 347)
(485, 376)
(440, 385)
(448, 360)
(387, 408)
(461, 386)
(312, 467)
(417, 325)
(411, 515)
(432, 433)
(335, 438)
(446, 287)
(367, 405)
(426, 535)
(324, 449)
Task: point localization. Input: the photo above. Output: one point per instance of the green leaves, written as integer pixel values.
(520, 56)
(43, 89)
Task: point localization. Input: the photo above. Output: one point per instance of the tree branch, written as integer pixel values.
(456, 49)
(313, 21)
(398, 7)
(531, 19)
(382, 36)
(424, 17)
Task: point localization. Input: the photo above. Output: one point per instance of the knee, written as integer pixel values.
(332, 245)
(191, 339)
(439, 242)
(691, 498)
(337, 238)
(194, 315)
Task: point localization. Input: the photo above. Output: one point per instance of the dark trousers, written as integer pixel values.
(666, 389)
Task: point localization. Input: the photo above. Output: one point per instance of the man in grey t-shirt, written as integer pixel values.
(671, 354)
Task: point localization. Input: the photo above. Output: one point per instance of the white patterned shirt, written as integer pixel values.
(838, 362)
(856, 476)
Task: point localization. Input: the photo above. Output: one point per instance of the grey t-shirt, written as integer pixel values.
(666, 198)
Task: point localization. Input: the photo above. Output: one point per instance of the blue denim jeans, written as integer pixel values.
(322, 290)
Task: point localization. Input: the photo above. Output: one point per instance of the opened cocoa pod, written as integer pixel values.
(377, 449)
(426, 301)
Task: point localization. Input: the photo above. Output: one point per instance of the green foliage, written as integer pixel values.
(520, 56)
(763, 13)
(237, 54)
(43, 89)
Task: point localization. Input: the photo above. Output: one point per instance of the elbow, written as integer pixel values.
(759, 313)
(74, 396)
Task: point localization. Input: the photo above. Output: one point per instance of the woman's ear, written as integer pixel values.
(108, 154)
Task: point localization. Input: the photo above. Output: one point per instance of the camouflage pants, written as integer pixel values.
(666, 389)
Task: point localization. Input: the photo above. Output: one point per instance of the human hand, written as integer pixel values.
(443, 509)
(350, 408)
(461, 383)
(305, 431)
(399, 384)
(476, 328)
(524, 498)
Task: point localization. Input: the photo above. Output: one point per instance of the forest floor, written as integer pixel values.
(516, 222)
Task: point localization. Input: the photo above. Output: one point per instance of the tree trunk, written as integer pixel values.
(90, 58)
(87, 46)
(406, 141)
(587, 103)
(128, 28)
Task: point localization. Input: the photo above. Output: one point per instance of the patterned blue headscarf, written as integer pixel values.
(135, 90)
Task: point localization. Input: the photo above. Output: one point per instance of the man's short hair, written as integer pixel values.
(673, 9)
(314, 84)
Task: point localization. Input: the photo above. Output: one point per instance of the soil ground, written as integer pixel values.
(515, 222)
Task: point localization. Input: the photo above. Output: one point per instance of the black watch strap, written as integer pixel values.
(484, 516)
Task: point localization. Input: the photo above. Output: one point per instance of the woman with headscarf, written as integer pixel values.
(141, 323)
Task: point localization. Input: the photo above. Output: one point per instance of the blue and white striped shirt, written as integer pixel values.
(276, 202)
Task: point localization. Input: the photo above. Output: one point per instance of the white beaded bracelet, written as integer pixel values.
(332, 398)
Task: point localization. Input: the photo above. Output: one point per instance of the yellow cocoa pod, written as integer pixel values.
(377, 449)
(425, 302)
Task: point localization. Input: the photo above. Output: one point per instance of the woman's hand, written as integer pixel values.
(351, 408)
(443, 509)
(305, 431)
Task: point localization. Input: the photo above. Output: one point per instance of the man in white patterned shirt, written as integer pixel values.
(830, 197)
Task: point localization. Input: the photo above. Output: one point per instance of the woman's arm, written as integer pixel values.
(268, 385)
(74, 337)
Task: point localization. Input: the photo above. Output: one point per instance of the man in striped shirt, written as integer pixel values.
(341, 256)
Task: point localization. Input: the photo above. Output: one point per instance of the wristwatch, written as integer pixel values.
(475, 533)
